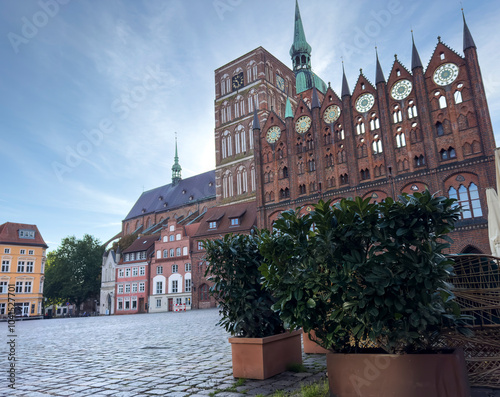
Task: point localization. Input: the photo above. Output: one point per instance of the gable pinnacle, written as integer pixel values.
(468, 40)
(415, 58)
(256, 124)
(315, 99)
(379, 76)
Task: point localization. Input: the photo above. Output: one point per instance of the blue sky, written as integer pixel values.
(94, 91)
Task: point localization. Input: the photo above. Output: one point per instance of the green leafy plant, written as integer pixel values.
(365, 274)
(245, 304)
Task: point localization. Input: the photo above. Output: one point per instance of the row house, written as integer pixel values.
(133, 275)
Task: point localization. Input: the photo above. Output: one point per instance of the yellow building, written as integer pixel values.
(22, 252)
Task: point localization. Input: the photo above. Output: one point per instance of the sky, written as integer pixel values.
(94, 92)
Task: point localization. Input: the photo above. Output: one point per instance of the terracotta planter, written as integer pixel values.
(390, 375)
(311, 347)
(261, 358)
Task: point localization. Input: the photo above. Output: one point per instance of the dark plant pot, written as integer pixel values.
(391, 375)
(261, 358)
(311, 347)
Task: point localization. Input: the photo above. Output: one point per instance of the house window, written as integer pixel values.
(204, 293)
(360, 126)
(178, 251)
(159, 270)
(419, 161)
(127, 304)
(468, 199)
(171, 237)
(120, 303)
(165, 253)
(127, 258)
(188, 285)
(135, 271)
(159, 287)
(397, 115)
(171, 252)
(120, 272)
(134, 303)
(142, 287)
(22, 252)
(5, 266)
(212, 225)
(142, 271)
(400, 140)
(175, 268)
(412, 110)
(134, 287)
(442, 102)
(187, 267)
(184, 251)
(175, 286)
(377, 146)
(127, 288)
(127, 272)
(20, 266)
(27, 286)
(6, 251)
(188, 301)
(19, 286)
(448, 154)
(120, 288)
(27, 234)
(200, 245)
(29, 266)
(365, 174)
(3, 287)
(158, 303)
(235, 221)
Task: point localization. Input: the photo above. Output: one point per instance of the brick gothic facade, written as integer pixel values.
(419, 128)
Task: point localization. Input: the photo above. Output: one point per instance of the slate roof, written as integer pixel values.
(247, 212)
(164, 198)
(9, 234)
(143, 243)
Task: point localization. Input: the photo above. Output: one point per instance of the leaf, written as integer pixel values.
(311, 303)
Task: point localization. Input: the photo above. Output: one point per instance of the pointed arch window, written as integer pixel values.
(400, 138)
(419, 161)
(311, 165)
(227, 185)
(226, 145)
(377, 145)
(439, 129)
(300, 167)
(374, 122)
(252, 178)
(468, 199)
(302, 189)
(339, 133)
(342, 156)
(442, 102)
(329, 160)
(241, 181)
(397, 115)
(448, 154)
(309, 142)
(412, 109)
(344, 179)
(360, 126)
(365, 174)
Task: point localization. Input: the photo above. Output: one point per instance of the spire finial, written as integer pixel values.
(468, 40)
(415, 57)
(345, 86)
(176, 168)
(379, 75)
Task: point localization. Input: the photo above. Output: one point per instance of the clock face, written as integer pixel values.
(365, 103)
(303, 124)
(401, 89)
(445, 74)
(280, 82)
(332, 113)
(237, 81)
(273, 134)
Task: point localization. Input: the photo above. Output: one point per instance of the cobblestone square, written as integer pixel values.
(163, 354)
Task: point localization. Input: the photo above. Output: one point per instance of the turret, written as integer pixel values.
(176, 168)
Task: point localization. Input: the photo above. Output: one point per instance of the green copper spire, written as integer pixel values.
(288, 109)
(176, 168)
(300, 50)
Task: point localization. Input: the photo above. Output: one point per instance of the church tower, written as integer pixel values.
(176, 168)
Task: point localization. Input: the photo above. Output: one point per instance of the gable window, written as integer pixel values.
(400, 139)
(412, 110)
(397, 115)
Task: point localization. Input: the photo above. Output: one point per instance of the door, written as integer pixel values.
(141, 305)
(170, 304)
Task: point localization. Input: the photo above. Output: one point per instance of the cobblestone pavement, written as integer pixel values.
(163, 354)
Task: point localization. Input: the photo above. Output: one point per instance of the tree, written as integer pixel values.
(73, 272)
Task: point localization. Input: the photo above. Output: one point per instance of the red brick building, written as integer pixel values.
(285, 139)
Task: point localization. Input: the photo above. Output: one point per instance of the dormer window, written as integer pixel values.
(27, 234)
(212, 225)
(235, 221)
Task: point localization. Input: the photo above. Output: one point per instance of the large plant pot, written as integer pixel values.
(261, 358)
(390, 375)
(311, 347)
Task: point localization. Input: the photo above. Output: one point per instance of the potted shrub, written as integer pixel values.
(260, 346)
(371, 281)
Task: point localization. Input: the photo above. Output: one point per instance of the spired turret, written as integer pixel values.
(176, 168)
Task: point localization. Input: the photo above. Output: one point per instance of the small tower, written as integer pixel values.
(176, 168)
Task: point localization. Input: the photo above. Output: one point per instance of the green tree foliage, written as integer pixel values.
(357, 272)
(245, 305)
(73, 271)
